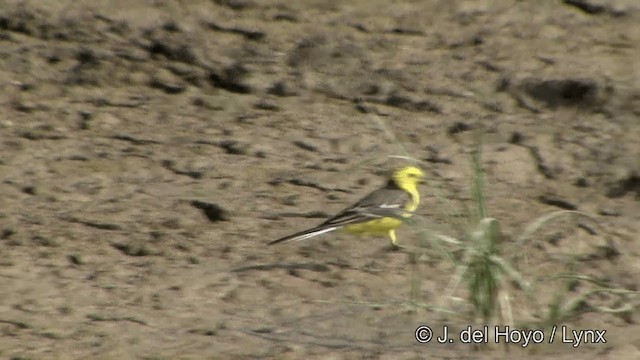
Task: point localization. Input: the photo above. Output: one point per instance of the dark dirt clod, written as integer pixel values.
(212, 211)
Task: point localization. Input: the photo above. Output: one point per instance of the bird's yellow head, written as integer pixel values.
(408, 177)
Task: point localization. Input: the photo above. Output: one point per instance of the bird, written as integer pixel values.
(377, 214)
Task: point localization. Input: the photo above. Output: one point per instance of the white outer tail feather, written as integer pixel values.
(312, 234)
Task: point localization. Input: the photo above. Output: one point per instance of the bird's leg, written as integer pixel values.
(394, 241)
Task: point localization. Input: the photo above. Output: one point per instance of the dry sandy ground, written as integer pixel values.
(149, 151)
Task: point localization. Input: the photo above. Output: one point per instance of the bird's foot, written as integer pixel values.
(394, 248)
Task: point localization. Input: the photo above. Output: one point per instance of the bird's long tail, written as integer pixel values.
(303, 235)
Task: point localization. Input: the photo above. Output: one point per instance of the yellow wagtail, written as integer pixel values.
(377, 214)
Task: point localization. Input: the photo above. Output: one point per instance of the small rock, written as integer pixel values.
(167, 81)
(598, 7)
(204, 332)
(207, 104)
(85, 117)
(555, 200)
(212, 211)
(582, 182)
(234, 4)
(516, 138)
(26, 106)
(87, 56)
(587, 6)
(45, 241)
(626, 181)
(234, 147)
(30, 189)
(458, 127)
(7, 233)
(132, 54)
(190, 73)
(405, 102)
(285, 17)
(306, 146)
(133, 249)
(172, 49)
(265, 105)
(231, 78)
(435, 156)
(75, 259)
(171, 26)
(172, 223)
(280, 88)
(604, 211)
